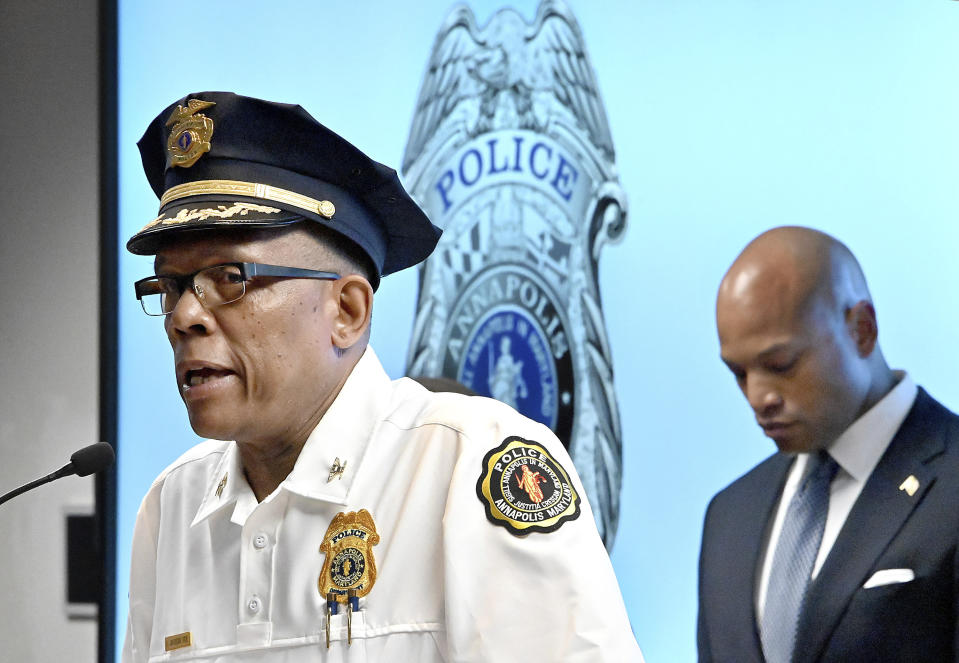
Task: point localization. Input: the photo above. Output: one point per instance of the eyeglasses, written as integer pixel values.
(213, 286)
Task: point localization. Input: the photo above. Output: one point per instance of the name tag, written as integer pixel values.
(178, 641)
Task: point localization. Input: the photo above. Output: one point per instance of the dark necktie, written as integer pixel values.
(794, 558)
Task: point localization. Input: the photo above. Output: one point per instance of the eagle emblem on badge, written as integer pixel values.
(348, 546)
(510, 153)
(190, 136)
(525, 489)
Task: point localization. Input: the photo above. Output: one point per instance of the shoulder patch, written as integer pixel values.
(524, 489)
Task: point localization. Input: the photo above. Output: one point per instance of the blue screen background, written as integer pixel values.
(728, 117)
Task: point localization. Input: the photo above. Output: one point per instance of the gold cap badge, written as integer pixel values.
(190, 137)
(349, 563)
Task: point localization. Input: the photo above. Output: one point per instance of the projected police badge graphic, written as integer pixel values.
(510, 153)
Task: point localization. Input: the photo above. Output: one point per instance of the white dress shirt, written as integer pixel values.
(241, 576)
(857, 452)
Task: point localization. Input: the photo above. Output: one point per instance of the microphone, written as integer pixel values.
(84, 462)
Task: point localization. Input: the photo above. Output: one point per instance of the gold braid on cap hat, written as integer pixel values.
(250, 189)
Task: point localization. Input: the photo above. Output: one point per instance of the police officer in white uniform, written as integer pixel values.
(348, 517)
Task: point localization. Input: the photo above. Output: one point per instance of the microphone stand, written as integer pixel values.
(64, 471)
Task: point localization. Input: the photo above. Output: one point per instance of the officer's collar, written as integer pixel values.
(226, 486)
(342, 436)
(338, 441)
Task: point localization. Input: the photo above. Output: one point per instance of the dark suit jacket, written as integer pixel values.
(886, 529)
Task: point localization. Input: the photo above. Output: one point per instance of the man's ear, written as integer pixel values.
(862, 325)
(354, 297)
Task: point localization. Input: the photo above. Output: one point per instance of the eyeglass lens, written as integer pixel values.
(213, 286)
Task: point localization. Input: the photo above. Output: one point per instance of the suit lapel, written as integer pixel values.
(751, 522)
(875, 519)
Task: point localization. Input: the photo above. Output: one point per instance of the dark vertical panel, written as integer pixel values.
(82, 585)
(106, 488)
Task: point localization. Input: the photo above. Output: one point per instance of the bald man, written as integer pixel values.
(842, 546)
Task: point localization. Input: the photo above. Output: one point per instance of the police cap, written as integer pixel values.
(221, 160)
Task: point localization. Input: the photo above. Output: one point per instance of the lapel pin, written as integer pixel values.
(222, 485)
(336, 470)
(910, 485)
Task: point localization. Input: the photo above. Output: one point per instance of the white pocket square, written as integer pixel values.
(889, 577)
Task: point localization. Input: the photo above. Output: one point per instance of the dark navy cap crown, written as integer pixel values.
(218, 159)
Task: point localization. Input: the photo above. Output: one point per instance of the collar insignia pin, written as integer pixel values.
(910, 485)
(336, 470)
(222, 485)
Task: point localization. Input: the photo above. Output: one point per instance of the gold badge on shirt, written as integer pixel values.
(348, 546)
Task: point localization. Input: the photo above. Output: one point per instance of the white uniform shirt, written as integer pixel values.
(241, 576)
(857, 452)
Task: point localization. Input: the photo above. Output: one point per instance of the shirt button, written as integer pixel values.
(254, 605)
(260, 541)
